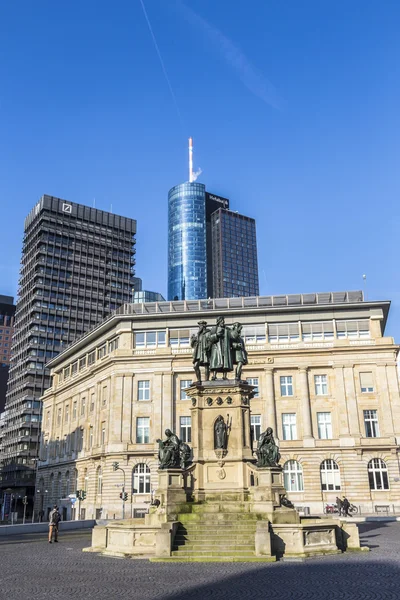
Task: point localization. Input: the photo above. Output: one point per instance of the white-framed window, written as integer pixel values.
(366, 383)
(141, 479)
(293, 476)
(286, 385)
(352, 329)
(289, 426)
(180, 338)
(144, 390)
(318, 331)
(330, 475)
(254, 381)
(102, 351)
(255, 424)
(91, 358)
(150, 339)
(142, 430)
(183, 384)
(113, 345)
(185, 426)
(378, 474)
(99, 480)
(283, 333)
(371, 423)
(321, 385)
(324, 425)
(74, 368)
(254, 334)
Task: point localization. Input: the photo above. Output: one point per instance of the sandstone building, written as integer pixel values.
(325, 379)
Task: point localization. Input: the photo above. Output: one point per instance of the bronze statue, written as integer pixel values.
(172, 453)
(267, 451)
(221, 350)
(238, 349)
(220, 433)
(201, 345)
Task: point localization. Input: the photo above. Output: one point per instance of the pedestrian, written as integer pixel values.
(54, 519)
(345, 507)
(339, 505)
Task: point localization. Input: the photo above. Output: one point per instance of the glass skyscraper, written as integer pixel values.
(187, 254)
(209, 256)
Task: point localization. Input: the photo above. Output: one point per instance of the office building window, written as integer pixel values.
(113, 345)
(352, 329)
(366, 383)
(330, 476)
(180, 338)
(254, 335)
(324, 425)
(371, 423)
(185, 429)
(142, 430)
(74, 409)
(104, 395)
(141, 479)
(150, 339)
(283, 333)
(82, 362)
(254, 381)
(92, 399)
(59, 416)
(103, 434)
(91, 436)
(378, 474)
(66, 413)
(83, 406)
(293, 476)
(286, 385)
(183, 385)
(318, 331)
(91, 358)
(321, 385)
(255, 423)
(102, 351)
(144, 390)
(289, 426)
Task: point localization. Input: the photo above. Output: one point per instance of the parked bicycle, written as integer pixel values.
(332, 508)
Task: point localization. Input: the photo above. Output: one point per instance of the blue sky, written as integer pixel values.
(293, 106)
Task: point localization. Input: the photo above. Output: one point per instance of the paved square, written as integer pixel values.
(32, 568)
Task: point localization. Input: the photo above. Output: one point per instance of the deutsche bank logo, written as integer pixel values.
(67, 208)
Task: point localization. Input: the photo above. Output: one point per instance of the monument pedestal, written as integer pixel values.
(171, 493)
(221, 473)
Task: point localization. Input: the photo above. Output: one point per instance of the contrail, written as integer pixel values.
(162, 62)
(251, 77)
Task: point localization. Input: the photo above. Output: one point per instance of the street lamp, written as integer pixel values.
(123, 495)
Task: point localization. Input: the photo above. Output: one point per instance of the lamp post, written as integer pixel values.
(34, 494)
(123, 495)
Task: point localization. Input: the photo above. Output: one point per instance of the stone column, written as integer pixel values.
(351, 397)
(305, 403)
(340, 397)
(270, 400)
(385, 418)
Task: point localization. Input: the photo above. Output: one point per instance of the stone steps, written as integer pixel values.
(203, 539)
(225, 559)
(211, 548)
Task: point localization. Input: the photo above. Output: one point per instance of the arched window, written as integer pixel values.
(67, 483)
(52, 487)
(141, 479)
(99, 479)
(293, 476)
(330, 475)
(378, 474)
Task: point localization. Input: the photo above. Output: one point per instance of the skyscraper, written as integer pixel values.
(77, 267)
(234, 255)
(191, 257)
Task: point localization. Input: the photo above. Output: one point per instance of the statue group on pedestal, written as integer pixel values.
(267, 450)
(172, 453)
(218, 349)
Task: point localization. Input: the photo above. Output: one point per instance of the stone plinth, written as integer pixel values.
(267, 490)
(171, 494)
(221, 473)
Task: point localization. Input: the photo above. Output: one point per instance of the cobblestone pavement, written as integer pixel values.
(32, 569)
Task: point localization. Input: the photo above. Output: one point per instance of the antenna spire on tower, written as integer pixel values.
(191, 178)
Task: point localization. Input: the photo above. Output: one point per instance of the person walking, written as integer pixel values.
(345, 507)
(339, 505)
(54, 519)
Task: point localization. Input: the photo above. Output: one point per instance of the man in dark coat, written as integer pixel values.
(221, 351)
(201, 351)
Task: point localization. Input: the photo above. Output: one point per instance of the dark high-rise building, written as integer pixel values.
(234, 252)
(191, 257)
(7, 312)
(77, 267)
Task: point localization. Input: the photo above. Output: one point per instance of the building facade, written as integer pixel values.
(7, 312)
(193, 249)
(234, 255)
(325, 379)
(76, 268)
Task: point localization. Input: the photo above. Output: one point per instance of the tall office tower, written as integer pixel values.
(190, 245)
(77, 267)
(234, 252)
(7, 312)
